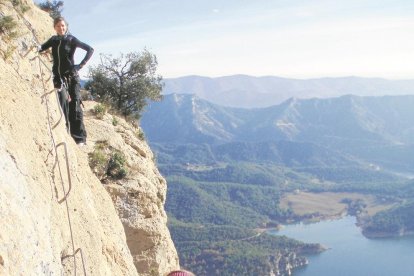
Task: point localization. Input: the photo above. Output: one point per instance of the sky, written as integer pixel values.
(285, 38)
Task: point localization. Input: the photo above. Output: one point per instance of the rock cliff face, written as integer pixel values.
(139, 197)
(51, 209)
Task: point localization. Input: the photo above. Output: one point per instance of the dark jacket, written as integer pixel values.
(63, 50)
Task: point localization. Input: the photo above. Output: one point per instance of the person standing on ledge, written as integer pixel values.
(66, 77)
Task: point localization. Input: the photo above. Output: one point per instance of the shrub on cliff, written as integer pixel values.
(107, 162)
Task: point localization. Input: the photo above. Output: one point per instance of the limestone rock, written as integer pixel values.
(46, 213)
(139, 197)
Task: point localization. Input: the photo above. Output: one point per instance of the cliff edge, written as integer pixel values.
(56, 216)
(139, 196)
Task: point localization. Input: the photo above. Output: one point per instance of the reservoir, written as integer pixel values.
(350, 253)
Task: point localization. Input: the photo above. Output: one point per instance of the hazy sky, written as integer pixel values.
(287, 38)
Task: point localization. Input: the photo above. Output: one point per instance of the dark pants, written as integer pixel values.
(64, 103)
(72, 109)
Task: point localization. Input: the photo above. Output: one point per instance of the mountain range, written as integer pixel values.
(374, 129)
(249, 92)
(232, 147)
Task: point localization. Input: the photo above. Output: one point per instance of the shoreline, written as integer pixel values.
(386, 235)
(361, 223)
(311, 207)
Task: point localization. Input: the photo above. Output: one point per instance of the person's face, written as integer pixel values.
(60, 28)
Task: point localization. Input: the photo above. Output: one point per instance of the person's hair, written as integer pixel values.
(58, 19)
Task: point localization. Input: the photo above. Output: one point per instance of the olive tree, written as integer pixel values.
(126, 82)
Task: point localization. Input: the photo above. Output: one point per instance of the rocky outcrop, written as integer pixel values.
(50, 209)
(139, 197)
(291, 261)
(283, 263)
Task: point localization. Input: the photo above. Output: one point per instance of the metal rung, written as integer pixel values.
(60, 107)
(74, 258)
(66, 194)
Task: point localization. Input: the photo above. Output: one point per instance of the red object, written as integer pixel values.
(179, 273)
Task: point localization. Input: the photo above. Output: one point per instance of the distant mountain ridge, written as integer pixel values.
(354, 125)
(188, 118)
(250, 92)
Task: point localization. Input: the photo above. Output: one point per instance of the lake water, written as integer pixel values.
(350, 253)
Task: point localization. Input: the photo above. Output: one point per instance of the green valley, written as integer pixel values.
(232, 173)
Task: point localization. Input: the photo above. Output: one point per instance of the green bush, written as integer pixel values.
(8, 52)
(140, 134)
(7, 28)
(7, 24)
(115, 121)
(8, 35)
(117, 165)
(123, 172)
(20, 6)
(102, 144)
(99, 110)
(98, 161)
(107, 162)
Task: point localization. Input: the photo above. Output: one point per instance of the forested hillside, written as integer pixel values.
(228, 170)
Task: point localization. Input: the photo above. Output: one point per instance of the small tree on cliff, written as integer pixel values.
(127, 82)
(54, 8)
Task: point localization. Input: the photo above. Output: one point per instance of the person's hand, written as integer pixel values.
(77, 67)
(43, 53)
